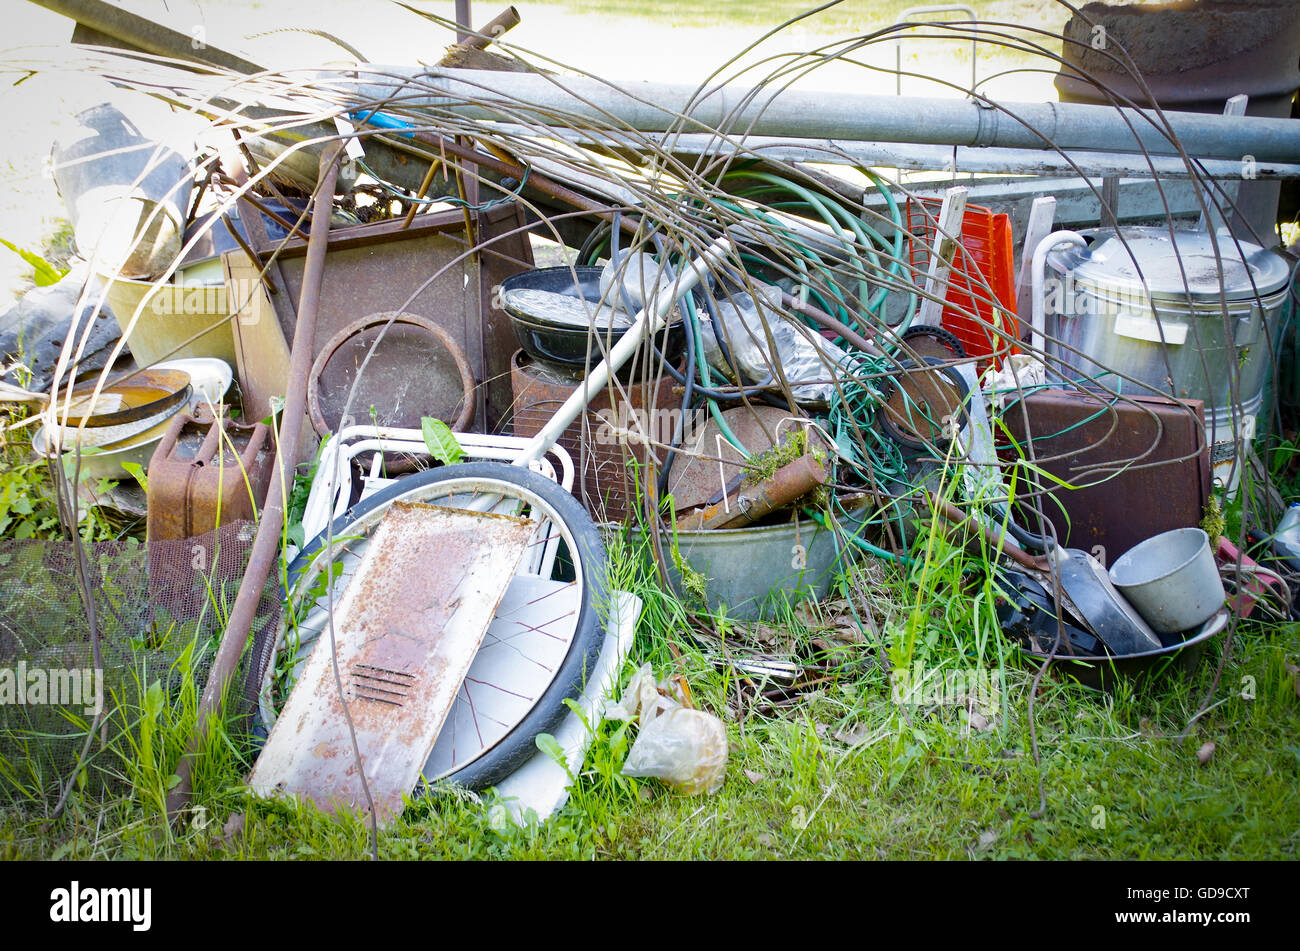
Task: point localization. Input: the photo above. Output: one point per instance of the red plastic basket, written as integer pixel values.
(985, 257)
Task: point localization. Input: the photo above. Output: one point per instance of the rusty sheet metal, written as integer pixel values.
(406, 631)
(379, 266)
(608, 481)
(1082, 440)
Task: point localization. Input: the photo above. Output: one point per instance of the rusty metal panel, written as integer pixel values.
(1084, 439)
(383, 267)
(607, 483)
(406, 631)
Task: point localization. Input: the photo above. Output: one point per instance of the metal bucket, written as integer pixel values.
(127, 196)
(1172, 579)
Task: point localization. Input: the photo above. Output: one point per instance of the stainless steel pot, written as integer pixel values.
(1171, 311)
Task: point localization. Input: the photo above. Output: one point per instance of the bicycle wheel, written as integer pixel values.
(540, 647)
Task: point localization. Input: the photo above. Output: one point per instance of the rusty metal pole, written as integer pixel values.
(267, 543)
(462, 21)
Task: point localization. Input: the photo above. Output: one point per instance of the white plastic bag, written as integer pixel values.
(802, 353)
(683, 747)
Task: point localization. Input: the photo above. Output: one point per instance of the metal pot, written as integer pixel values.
(572, 341)
(1172, 579)
(1171, 311)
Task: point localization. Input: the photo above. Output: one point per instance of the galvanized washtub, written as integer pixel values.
(1174, 313)
(750, 572)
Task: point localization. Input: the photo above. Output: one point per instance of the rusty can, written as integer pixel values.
(206, 473)
(611, 465)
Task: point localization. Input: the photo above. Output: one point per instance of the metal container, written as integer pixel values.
(1100, 460)
(1177, 656)
(751, 571)
(1164, 309)
(571, 340)
(1172, 579)
(127, 196)
(204, 474)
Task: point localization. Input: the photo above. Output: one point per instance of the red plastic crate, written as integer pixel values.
(985, 256)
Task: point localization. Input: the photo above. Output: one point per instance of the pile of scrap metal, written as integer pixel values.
(759, 354)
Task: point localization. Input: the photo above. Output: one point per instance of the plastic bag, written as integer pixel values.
(802, 354)
(634, 279)
(683, 747)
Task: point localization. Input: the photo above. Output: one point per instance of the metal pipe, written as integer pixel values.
(1038, 319)
(119, 25)
(267, 542)
(783, 487)
(927, 157)
(506, 20)
(463, 26)
(663, 107)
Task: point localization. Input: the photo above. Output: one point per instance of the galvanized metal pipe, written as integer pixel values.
(663, 107)
(839, 151)
(267, 542)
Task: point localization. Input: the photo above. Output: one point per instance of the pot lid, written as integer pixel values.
(1173, 266)
(564, 310)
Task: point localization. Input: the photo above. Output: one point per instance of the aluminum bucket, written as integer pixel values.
(1172, 579)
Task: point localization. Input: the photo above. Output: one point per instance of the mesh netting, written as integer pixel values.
(160, 612)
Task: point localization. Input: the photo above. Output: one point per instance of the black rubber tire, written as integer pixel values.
(519, 745)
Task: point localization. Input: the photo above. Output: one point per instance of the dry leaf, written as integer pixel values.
(1205, 752)
(853, 735)
(753, 777)
(977, 721)
(987, 839)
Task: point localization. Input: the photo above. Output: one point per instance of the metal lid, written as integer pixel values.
(1161, 265)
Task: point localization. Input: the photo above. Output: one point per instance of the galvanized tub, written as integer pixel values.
(1172, 312)
(751, 571)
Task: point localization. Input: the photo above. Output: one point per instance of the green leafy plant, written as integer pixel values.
(44, 273)
(440, 441)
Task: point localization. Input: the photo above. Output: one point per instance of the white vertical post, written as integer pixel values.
(1213, 218)
(946, 238)
(1042, 216)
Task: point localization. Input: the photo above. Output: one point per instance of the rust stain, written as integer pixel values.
(407, 627)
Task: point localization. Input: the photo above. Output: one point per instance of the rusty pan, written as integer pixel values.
(128, 399)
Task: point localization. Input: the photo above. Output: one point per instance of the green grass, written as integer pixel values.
(844, 772)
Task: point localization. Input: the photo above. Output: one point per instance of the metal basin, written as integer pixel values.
(752, 572)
